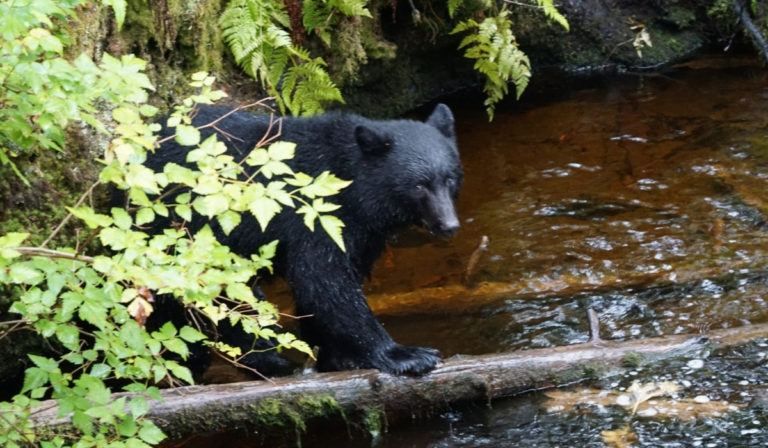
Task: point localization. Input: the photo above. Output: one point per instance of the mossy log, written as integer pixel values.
(292, 401)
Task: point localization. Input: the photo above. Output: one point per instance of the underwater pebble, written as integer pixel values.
(650, 412)
(686, 383)
(701, 399)
(695, 363)
(623, 400)
(750, 431)
(743, 383)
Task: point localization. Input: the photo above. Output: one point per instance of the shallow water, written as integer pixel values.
(640, 196)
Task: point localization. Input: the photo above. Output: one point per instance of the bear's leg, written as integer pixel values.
(341, 323)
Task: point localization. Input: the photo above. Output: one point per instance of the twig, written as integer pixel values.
(243, 366)
(474, 259)
(50, 253)
(594, 326)
(15, 326)
(69, 215)
(267, 138)
(216, 121)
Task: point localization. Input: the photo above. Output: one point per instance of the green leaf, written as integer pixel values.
(119, 7)
(208, 184)
(332, 226)
(69, 335)
(145, 216)
(326, 184)
(187, 135)
(24, 274)
(138, 406)
(180, 175)
(132, 334)
(10, 241)
(210, 206)
(150, 433)
(34, 377)
(257, 157)
(229, 220)
(281, 150)
(180, 372)
(190, 334)
(184, 211)
(268, 250)
(177, 346)
(92, 219)
(121, 218)
(264, 209)
(100, 370)
(241, 292)
(148, 110)
(47, 364)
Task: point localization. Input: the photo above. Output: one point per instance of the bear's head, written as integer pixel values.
(418, 164)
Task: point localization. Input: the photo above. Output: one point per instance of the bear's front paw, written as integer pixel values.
(404, 360)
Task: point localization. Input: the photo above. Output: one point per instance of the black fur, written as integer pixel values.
(404, 172)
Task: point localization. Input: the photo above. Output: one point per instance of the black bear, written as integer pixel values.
(403, 172)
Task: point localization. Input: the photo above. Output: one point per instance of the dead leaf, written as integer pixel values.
(622, 437)
(642, 392)
(140, 309)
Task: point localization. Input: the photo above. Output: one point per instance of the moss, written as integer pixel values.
(177, 37)
(632, 360)
(373, 422)
(680, 17)
(277, 413)
(56, 179)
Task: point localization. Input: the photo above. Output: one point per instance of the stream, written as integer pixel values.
(641, 196)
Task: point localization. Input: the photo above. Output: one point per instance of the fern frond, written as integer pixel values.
(307, 87)
(552, 13)
(319, 16)
(256, 32)
(453, 6)
(497, 56)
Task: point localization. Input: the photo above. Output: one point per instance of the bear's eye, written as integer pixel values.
(450, 182)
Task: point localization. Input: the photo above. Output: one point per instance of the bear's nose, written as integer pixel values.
(450, 228)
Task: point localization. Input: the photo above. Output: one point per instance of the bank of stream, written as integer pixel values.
(641, 196)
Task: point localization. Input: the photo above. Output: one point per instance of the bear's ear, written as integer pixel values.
(371, 141)
(442, 119)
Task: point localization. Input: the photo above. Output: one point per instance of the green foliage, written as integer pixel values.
(259, 34)
(114, 293)
(497, 56)
(93, 308)
(256, 32)
(493, 47)
(548, 6)
(321, 16)
(41, 92)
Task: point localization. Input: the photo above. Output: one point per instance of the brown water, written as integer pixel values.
(644, 197)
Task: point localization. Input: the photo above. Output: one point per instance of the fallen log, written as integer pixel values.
(369, 396)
